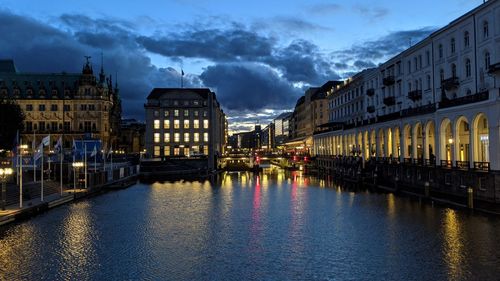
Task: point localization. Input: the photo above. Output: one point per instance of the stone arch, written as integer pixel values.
(481, 138)
(407, 141)
(462, 138)
(430, 140)
(446, 140)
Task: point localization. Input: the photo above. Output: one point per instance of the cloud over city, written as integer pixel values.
(250, 69)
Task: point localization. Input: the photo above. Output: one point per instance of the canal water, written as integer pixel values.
(272, 226)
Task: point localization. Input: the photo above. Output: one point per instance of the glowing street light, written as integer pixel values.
(4, 176)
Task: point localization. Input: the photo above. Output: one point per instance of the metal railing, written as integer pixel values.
(482, 166)
(463, 165)
(465, 100)
(446, 163)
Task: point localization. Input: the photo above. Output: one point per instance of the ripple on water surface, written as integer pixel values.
(272, 226)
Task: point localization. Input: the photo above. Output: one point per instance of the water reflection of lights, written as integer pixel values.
(453, 246)
(78, 250)
(391, 205)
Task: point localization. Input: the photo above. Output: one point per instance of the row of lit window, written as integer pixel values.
(67, 107)
(177, 137)
(178, 112)
(180, 151)
(177, 124)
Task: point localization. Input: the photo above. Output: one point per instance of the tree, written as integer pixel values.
(11, 120)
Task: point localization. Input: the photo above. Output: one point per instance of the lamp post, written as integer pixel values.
(4, 175)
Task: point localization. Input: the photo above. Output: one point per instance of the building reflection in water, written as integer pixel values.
(453, 245)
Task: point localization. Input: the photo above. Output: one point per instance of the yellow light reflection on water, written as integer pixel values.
(77, 247)
(453, 245)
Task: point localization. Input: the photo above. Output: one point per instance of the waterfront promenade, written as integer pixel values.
(53, 196)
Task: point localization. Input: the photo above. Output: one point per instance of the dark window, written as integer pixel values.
(67, 107)
(87, 126)
(29, 126)
(53, 126)
(29, 107)
(53, 107)
(67, 126)
(41, 107)
(41, 126)
(83, 107)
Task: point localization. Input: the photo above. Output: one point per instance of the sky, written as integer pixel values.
(258, 56)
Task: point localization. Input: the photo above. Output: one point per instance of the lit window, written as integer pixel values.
(186, 113)
(196, 137)
(186, 151)
(205, 137)
(166, 151)
(205, 149)
(177, 137)
(157, 124)
(205, 124)
(157, 137)
(166, 137)
(186, 137)
(176, 124)
(196, 124)
(186, 124)
(205, 114)
(176, 113)
(156, 151)
(166, 113)
(156, 113)
(196, 113)
(166, 124)
(176, 151)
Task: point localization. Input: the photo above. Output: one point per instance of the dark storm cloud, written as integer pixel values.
(213, 44)
(302, 61)
(386, 46)
(249, 86)
(38, 47)
(369, 53)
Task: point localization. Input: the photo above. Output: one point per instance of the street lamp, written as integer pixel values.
(4, 175)
(76, 166)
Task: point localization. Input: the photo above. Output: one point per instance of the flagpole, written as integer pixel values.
(33, 145)
(49, 160)
(111, 151)
(41, 193)
(85, 164)
(20, 176)
(61, 168)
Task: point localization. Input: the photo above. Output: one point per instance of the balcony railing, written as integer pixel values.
(465, 100)
(370, 109)
(446, 164)
(418, 161)
(388, 80)
(415, 95)
(390, 101)
(429, 162)
(370, 92)
(425, 109)
(482, 166)
(494, 68)
(450, 83)
(463, 165)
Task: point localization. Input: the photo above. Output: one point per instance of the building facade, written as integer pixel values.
(131, 139)
(73, 105)
(435, 104)
(185, 122)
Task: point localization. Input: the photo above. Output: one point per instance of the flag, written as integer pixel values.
(110, 150)
(46, 140)
(58, 146)
(182, 72)
(39, 152)
(94, 152)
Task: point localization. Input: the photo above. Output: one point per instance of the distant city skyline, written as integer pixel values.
(258, 57)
